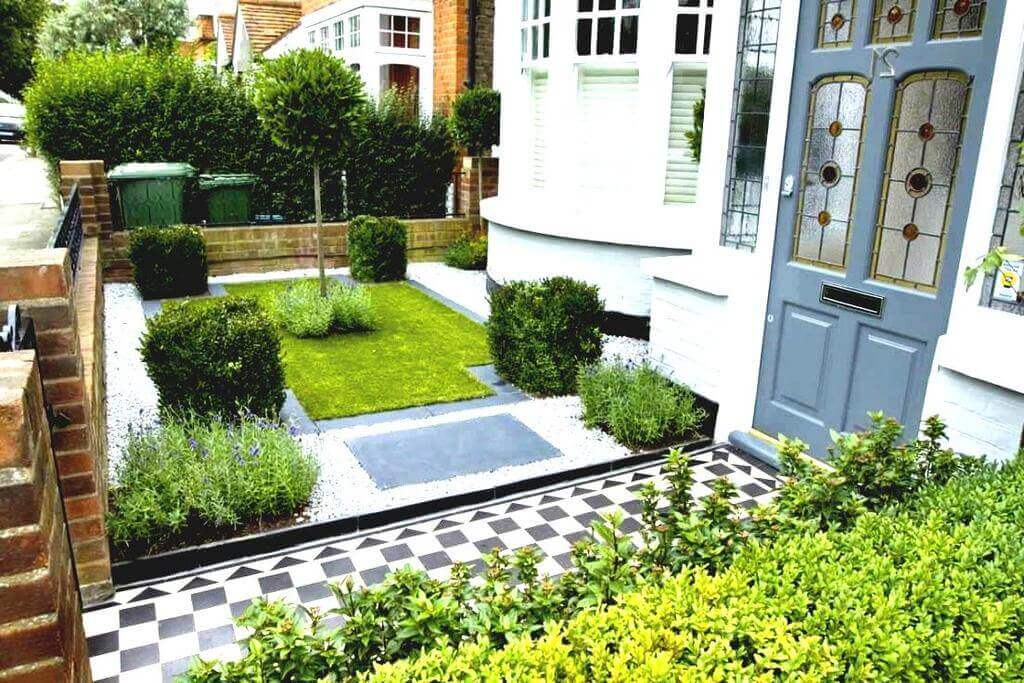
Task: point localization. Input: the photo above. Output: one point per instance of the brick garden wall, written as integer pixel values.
(261, 248)
(41, 633)
(40, 281)
(469, 177)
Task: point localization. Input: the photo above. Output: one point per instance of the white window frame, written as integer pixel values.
(339, 35)
(390, 31)
(705, 11)
(354, 35)
(535, 21)
(623, 8)
(325, 38)
(312, 38)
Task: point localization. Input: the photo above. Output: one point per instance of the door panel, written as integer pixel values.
(803, 362)
(882, 143)
(886, 365)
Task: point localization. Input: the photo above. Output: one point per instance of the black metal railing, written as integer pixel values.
(68, 233)
(17, 332)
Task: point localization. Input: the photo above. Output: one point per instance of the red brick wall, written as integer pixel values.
(41, 633)
(261, 248)
(451, 50)
(469, 177)
(40, 281)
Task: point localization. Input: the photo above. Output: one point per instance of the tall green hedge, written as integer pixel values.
(137, 106)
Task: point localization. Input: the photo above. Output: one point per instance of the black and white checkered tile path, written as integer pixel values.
(151, 632)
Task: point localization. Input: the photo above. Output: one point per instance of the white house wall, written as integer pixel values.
(370, 55)
(977, 381)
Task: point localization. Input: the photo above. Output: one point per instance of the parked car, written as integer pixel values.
(12, 119)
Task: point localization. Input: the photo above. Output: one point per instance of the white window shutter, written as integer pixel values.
(608, 144)
(538, 143)
(681, 167)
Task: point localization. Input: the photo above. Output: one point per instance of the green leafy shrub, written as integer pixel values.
(168, 262)
(638, 406)
(467, 253)
(476, 118)
(197, 476)
(541, 332)
(400, 164)
(304, 312)
(215, 357)
(376, 249)
(140, 106)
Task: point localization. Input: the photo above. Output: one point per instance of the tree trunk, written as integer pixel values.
(319, 228)
(480, 193)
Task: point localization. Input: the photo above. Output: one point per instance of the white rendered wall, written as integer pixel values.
(370, 55)
(981, 418)
(616, 269)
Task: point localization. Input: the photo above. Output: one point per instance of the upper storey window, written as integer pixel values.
(608, 27)
(693, 27)
(535, 35)
(399, 31)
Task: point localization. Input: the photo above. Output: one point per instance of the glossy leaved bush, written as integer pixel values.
(168, 262)
(923, 582)
(377, 249)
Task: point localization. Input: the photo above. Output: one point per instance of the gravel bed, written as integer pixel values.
(131, 397)
(345, 488)
(625, 350)
(467, 288)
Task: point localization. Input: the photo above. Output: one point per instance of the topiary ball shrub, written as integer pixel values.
(376, 249)
(541, 332)
(168, 262)
(467, 253)
(215, 357)
(638, 406)
(304, 312)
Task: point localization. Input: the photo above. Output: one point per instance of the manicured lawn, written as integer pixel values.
(418, 356)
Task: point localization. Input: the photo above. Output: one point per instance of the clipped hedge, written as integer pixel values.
(377, 249)
(541, 332)
(215, 357)
(932, 592)
(139, 106)
(168, 262)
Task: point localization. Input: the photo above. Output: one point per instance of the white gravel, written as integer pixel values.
(345, 488)
(467, 288)
(131, 396)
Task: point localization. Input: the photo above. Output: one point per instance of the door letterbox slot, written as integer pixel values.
(852, 299)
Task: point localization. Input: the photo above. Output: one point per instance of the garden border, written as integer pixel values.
(139, 571)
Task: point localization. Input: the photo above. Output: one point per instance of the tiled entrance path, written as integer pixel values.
(151, 632)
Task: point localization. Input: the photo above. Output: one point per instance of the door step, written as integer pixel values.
(765, 448)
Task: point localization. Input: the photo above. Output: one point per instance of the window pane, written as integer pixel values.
(414, 41)
(414, 25)
(534, 42)
(547, 8)
(605, 35)
(689, 3)
(526, 10)
(630, 4)
(399, 39)
(606, 4)
(547, 40)
(628, 35)
(584, 28)
(586, 5)
(707, 34)
(686, 34)
(385, 39)
(385, 21)
(398, 23)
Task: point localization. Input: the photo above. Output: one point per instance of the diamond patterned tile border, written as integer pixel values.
(150, 632)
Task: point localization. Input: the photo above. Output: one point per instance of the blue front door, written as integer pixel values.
(885, 122)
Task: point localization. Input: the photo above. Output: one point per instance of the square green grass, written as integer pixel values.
(417, 356)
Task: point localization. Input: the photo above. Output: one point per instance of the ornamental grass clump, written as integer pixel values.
(637, 405)
(302, 311)
(188, 479)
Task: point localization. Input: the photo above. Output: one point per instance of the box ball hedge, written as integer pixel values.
(376, 249)
(215, 357)
(168, 262)
(541, 332)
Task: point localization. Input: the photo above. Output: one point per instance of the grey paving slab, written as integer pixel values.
(449, 450)
(489, 376)
(293, 412)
